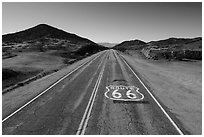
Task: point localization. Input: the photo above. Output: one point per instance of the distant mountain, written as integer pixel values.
(172, 43)
(179, 43)
(107, 44)
(48, 37)
(130, 45)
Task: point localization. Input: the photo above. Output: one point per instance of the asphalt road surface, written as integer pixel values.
(104, 96)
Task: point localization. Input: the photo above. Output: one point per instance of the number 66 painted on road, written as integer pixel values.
(129, 94)
(123, 93)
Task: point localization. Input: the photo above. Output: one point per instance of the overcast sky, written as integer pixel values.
(108, 22)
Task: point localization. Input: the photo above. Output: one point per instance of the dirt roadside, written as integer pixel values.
(177, 84)
(19, 96)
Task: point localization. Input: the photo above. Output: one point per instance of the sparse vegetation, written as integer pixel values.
(27, 65)
(42, 49)
(130, 45)
(172, 48)
(10, 76)
(8, 73)
(172, 54)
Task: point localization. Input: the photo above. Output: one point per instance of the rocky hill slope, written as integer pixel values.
(130, 45)
(45, 37)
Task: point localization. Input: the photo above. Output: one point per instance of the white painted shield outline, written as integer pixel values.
(137, 90)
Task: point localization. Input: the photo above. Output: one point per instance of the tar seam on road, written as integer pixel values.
(33, 99)
(174, 124)
(83, 124)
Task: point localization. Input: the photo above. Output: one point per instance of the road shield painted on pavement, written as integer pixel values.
(123, 93)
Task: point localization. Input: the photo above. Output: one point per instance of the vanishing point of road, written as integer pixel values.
(103, 96)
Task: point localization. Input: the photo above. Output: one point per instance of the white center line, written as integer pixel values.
(83, 124)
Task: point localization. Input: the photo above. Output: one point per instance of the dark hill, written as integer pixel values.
(44, 37)
(179, 43)
(42, 31)
(130, 45)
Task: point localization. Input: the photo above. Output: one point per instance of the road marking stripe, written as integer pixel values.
(85, 118)
(174, 124)
(33, 99)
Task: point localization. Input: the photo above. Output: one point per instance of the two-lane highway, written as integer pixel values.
(104, 96)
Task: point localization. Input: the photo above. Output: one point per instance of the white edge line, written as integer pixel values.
(47, 89)
(86, 116)
(174, 124)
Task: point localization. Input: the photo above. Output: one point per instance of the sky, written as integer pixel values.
(108, 22)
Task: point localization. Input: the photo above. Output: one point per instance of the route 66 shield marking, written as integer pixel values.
(123, 93)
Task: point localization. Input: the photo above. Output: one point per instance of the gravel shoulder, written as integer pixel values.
(177, 84)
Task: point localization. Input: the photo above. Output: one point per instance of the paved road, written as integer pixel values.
(102, 97)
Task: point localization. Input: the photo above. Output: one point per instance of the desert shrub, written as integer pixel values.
(178, 55)
(190, 54)
(86, 49)
(21, 84)
(66, 61)
(167, 55)
(69, 61)
(7, 73)
(40, 47)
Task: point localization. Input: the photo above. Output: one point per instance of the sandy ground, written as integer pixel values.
(16, 98)
(177, 84)
(29, 64)
(33, 60)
